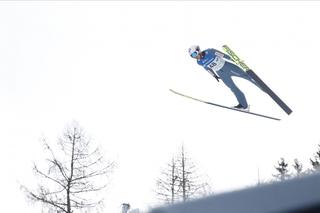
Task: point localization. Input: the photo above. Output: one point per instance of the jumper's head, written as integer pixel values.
(194, 51)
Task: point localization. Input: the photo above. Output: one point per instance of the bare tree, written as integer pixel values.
(282, 169)
(168, 183)
(191, 184)
(298, 168)
(180, 182)
(74, 176)
(316, 161)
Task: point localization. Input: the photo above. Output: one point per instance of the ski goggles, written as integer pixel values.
(194, 54)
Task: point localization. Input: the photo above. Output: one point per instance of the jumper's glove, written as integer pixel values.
(213, 74)
(216, 77)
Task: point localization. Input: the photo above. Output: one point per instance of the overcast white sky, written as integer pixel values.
(110, 65)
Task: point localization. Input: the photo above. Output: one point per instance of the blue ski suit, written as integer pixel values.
(214, 62)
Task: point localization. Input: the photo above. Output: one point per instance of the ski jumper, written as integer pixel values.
(214, 62)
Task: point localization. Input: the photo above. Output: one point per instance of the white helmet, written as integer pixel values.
(194, 51)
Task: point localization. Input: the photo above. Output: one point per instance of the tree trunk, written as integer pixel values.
(184, 196)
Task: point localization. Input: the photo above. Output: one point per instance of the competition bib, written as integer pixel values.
(216, 64)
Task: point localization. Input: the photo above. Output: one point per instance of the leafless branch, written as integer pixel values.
(73, 177)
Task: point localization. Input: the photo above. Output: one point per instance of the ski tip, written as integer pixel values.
(171, 90)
